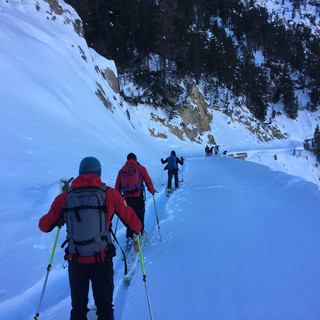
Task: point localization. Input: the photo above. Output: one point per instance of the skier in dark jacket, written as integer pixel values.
(133, 191)
(97, 268)
(173, 169)
(207, 151)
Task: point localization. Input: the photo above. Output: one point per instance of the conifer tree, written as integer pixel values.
(316, 142)
(290, 102)
(165, 35)
(289, 99)
(314, 98)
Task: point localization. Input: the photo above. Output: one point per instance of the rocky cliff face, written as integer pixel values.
(56, 9)
(112, 79)
(196, 116)
(192, 121)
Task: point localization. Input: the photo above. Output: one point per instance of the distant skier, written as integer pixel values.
(130, 183)
(211, 151)
(173, 169)
(87, 209)
(207, 151)
(216, 149)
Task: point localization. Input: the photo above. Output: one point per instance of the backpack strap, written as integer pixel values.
(103, 208)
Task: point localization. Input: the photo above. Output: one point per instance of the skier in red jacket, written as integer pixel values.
(98, 267)
(130, 183)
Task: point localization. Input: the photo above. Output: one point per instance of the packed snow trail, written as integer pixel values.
(240, 242)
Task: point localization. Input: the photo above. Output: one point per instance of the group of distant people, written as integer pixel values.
(216, 149)
(209, 151)
(87, 208)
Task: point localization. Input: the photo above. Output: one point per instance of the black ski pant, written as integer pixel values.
(138, 206)
(172, 173)
(101, 277)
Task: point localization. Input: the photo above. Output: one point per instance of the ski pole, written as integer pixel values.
(182, 171)
(48, 270)
(155, 210)
(162, 174)
(144, 277)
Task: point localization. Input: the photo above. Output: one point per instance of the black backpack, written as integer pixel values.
(85, 214)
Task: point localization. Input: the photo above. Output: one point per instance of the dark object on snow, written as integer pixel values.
(66, 183)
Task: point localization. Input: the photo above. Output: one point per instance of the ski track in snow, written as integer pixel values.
(120, 291)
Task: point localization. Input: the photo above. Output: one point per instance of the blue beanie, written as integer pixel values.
(90, 165)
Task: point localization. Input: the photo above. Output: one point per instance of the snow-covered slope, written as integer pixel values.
(51, 117)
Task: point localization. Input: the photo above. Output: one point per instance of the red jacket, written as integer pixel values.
(114, 202)
(145, 178)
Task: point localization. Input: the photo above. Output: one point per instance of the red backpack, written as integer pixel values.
(131, 180)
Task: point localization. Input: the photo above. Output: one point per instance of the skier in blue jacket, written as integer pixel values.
(172, 167)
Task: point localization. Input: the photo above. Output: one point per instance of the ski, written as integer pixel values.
(169, 191)
(133, 259)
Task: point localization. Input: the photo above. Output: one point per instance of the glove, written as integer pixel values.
(60, 223)
(161, 160)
